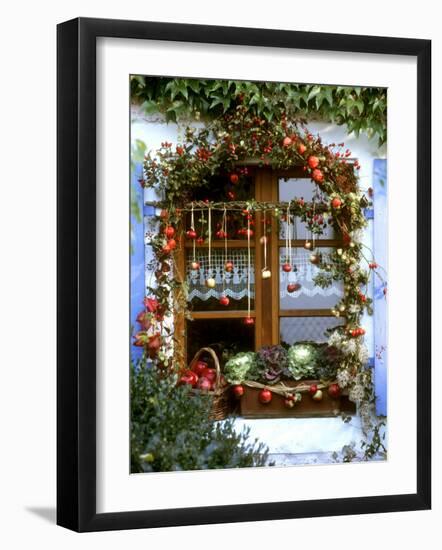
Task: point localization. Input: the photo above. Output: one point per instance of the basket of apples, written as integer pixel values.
(205, 378)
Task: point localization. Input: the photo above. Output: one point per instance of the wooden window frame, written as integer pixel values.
(267, 312)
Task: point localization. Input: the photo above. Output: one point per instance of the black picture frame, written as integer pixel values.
(76, 274)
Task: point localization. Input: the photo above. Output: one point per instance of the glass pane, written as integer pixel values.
(305, 188)
(232, 284)
(225, 336)
(308, 295)
(306, 329)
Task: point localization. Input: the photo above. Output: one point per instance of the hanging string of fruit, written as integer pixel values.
(195, 265)
(228, 266)
(265, 272)
(210, 281)
(248, 320)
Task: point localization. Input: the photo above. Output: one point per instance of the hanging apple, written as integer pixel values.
(210, 282)
(224, 300)
(169, 232)
(266, 274)
(334, 391)
(234, 178)
(314, 259)
(293, 287)
(249, 321)
(228, 266)
(200, 241)
(313, 389)
(265, 396)
(313, 162)
(195, 266)
(191, 234)
(317, 396)
(238, 391)
(307, 245)
(286, 267)
(263, 239)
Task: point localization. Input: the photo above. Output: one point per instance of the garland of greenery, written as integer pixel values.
(361, 109)
(218, 149)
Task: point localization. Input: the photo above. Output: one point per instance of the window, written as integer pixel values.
(280, 315)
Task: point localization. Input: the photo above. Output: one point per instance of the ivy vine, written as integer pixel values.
(361, 109)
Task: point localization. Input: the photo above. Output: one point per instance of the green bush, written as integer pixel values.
(171, 429)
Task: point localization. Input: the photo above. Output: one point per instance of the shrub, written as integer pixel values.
(171, 429)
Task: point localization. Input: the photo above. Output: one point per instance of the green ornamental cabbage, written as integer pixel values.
(302, 361)
(240, 367)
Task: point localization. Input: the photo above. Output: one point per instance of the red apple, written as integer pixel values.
(234, 178)
(224, 300)
(238, 391)
(195, 266)
(293, 287)
(313, 389)
(334, 391)
(265, 396)
(169, 231)
(210, 374)
(191, 234)
(249, 321)
(336, 202)
(228, 266)
(188, 377)
(200, 241)
(313, 162)
(204, 384)
(286, 267)
(199, 367)
(286, 142)
(166, 249)
(302, 148)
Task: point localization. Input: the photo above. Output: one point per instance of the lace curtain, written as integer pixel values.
(235, 283)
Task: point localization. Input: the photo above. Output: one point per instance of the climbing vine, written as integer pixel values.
(360, 109)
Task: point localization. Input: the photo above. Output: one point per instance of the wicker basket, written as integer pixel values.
(221, 401)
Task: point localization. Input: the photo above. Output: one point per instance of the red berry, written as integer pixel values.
(318, 176)
(313, 162)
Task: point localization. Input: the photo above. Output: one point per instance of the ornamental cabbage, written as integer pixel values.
(302, 361)
(240, 367)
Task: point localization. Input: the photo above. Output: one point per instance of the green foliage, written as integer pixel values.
(360, 109)
(171, 429)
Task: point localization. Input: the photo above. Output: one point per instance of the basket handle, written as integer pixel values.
(215, 360)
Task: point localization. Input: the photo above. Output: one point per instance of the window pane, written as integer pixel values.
(306, 329)
(232, 284)
(297, 188)
(223, 335)
(309, 295)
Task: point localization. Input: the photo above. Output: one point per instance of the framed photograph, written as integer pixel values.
(243, 274)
